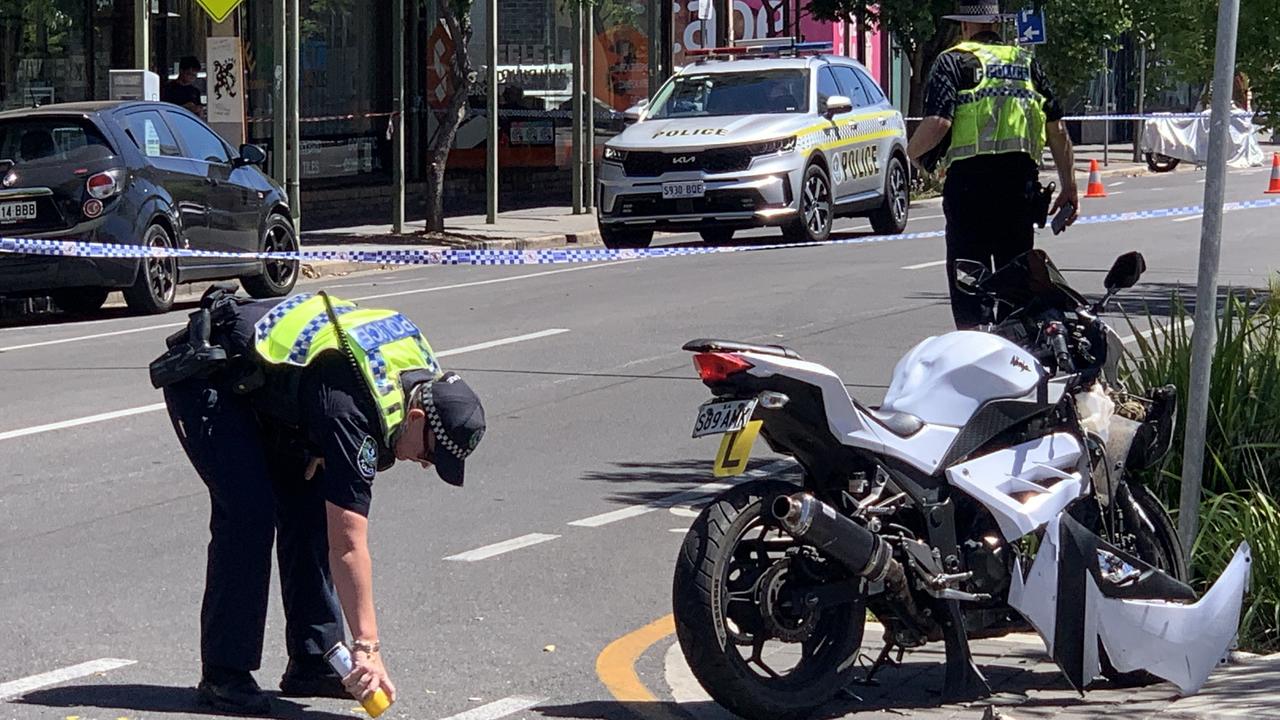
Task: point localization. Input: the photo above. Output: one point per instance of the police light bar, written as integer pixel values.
(706, 52)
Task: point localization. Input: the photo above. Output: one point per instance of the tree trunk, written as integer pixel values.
(458, 21)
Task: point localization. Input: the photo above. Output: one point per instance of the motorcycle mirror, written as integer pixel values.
(969, 275)
(1126, 271)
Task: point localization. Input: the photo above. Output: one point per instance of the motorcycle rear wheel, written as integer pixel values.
(730, 556)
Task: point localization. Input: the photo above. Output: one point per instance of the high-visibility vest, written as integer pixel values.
(1004, 112)
(383, 344)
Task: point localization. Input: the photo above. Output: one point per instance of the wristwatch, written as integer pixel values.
(366, 646)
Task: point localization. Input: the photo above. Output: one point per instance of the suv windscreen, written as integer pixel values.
(51, 139)
(733, 93)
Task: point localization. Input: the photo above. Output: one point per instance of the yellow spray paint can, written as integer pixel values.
(339, 658)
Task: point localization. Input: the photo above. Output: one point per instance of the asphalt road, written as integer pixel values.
(498, 599)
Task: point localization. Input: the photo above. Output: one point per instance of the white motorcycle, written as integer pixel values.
(989, 493)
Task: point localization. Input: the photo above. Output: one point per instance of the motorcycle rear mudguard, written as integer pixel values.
(1143, 618)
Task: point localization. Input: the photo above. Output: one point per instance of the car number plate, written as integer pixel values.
(680, 190)
(15, 211)
(717, 418)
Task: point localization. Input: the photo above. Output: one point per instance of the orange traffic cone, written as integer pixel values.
(1095, 189)
(1275, 174)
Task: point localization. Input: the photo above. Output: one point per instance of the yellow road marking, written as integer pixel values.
(616, 668)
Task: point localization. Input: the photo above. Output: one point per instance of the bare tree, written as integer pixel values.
(456, 15)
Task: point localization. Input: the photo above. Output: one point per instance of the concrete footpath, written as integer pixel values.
(1028, 686)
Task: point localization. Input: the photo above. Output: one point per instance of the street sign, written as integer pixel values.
(1031, 27)
(219, 9)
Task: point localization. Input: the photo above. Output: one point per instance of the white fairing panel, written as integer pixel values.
(1024, 486)
(945, 379)
(1178, 642)
(852, 425)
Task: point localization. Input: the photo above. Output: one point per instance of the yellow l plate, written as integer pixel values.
(219, 9)
(735, 450)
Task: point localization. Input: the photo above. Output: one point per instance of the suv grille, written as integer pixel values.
(714, 160)
(715, 202)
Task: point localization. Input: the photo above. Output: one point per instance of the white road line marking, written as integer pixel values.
(497, 709)
(437, 288)
(921, 266)
(504, 341)
(493, 281)
(15, 688)
(1116, 192)
(679, 498)
(64, 424)
(95, 336)
(1189, 218)
(928, 217)
(1118, 184)
(505, 546)
(114, 414)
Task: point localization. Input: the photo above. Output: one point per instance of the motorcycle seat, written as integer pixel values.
(899, 423)
(712, 345)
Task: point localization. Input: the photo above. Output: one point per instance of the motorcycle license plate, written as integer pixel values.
(679, 190)
(717, 418)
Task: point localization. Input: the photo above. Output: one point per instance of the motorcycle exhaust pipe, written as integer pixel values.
(861, 551)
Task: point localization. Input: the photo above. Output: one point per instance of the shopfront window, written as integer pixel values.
(345, 86)
(43, 52)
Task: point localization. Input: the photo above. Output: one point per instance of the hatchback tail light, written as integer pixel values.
(717, 367)
(105, 184)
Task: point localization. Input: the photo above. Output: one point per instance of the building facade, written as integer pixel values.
(62, 50)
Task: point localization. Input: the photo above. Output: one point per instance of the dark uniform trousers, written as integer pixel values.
(258, 494)
(989, 219)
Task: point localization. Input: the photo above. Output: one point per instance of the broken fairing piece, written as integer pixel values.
(1082, 594)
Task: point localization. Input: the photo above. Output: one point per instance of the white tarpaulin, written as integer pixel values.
(1187, 138)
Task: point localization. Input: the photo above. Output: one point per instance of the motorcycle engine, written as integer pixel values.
(987, 557)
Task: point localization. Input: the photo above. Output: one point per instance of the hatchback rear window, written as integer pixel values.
(51, 140)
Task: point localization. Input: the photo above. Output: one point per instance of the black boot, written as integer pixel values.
(232, 691)
(312, 678)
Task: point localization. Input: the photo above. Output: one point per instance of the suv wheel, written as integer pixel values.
(619, 238)
(157, 282)
(817, 210)
(891, 217)
(278, 276)
(79, 301)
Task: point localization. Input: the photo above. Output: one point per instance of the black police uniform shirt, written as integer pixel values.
(179, 94)
(957, 70)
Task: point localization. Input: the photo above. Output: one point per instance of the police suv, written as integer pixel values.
(757, 136)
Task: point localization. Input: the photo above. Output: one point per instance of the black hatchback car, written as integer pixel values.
(135, 173)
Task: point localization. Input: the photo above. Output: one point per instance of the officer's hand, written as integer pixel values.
(367, 677)
(1070, 194)
(313, 466)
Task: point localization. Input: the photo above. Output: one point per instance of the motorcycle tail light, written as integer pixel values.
(105, 184)
(717, 367)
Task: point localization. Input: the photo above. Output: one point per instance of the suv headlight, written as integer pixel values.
(773, 147)
(612, 154)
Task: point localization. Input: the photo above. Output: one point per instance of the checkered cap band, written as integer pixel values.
(437, 425)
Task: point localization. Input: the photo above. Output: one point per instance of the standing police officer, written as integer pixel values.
(988, 107)
(287, 409)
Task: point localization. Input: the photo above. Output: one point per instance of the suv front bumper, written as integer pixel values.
(763, 195)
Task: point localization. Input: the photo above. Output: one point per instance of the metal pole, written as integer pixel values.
(576, 159)
(589, 119)
(413, 90)
(1204, 335)
(1142, 99)
(1106, 108)
(397, 116)
(279, 97)
(491, 144)
(141, 35)
(295, 113)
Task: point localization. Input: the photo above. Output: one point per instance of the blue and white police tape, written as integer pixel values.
(550, 256)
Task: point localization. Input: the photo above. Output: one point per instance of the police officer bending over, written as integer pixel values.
(287, 409)
(988, 107)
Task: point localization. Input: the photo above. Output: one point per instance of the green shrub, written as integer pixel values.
(1242, 445)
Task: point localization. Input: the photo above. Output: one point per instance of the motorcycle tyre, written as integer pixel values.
(700, 561)
(1158, 163)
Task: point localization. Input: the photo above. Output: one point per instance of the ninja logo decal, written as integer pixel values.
(367, 458)
(857, 163)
